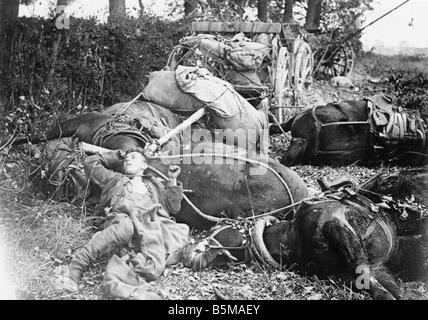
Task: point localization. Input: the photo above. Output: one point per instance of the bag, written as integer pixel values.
(244, 78)
(163, 90)
(227, 109)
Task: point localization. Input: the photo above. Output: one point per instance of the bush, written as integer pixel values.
(45, 71)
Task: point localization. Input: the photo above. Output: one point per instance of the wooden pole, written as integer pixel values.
(185, 124)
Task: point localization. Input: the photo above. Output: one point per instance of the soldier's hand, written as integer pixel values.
(174, 172)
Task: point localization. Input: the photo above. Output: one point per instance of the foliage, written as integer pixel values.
(411, 94)
(343, 16)
(45, 71)
(405, 78)
(339, 17)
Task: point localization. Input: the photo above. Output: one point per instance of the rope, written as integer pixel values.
(125, 107)
(215, 219)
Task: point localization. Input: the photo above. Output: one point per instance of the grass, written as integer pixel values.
(378, 65)
(40, 235)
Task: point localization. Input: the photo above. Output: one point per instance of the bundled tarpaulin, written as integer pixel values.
(242, 53)
(236, 56)
(162, 89)
(243, 78)
(245, 54)
(227, 109)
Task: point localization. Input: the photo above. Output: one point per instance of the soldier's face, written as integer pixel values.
(134, 163)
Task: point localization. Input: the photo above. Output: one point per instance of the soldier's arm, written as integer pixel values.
(173, 194)
(98, 167)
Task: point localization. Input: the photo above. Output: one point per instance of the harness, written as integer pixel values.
(114, 128)
(210, 246)
(252, 245)
(394, 128)
(388, 128)
(319, 126)
(349, 194)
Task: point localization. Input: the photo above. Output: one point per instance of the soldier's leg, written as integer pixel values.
(118, 232)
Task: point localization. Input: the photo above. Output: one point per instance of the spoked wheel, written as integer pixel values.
(303, 66)
(282, 83)
(341, 64)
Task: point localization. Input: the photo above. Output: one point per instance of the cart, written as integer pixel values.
(333, 57)
(286, 68)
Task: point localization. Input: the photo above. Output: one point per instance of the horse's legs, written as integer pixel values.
(339, 236)
(295, 153)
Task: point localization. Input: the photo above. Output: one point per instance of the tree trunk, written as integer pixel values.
(189, 7)
(60, 5)
(117, 8)
(62, 2)
(262, 10)
(288, 11)
(9, 10)
(313, 15)
(140, 3)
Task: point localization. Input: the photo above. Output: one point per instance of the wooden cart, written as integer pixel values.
(286, 69)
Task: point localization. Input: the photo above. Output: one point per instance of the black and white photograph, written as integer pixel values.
(227, 151)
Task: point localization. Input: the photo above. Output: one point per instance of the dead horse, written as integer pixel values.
(344, 132)
(228, 189)
(335, 235)
(410, 187)
(338, 235)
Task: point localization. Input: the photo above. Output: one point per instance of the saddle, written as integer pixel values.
(393, 126)
(141, 129)
(347, 191)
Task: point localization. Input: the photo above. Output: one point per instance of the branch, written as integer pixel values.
(140, 3)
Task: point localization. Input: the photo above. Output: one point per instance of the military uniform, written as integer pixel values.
(138, 215)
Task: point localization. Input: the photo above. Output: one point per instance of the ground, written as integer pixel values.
(39, 235)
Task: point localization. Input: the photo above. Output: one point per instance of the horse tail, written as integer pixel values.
(386, 279)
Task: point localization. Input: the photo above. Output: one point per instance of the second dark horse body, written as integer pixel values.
(344, 132)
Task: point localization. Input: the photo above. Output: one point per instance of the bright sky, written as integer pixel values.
(85, 8)
(392, 30)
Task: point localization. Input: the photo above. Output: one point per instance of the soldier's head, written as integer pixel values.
(135, 163)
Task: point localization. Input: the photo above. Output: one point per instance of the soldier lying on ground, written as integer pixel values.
(138, 209)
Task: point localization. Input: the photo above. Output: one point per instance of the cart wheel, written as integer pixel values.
(282, 83)
(341, 64)
(303, 67)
